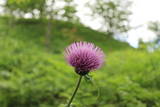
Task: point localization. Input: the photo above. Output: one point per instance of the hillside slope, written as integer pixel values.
(62, 33)
(30, 76)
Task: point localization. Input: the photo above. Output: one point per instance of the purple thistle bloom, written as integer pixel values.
(84, 57)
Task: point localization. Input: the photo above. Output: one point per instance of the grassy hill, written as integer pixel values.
(31, 76)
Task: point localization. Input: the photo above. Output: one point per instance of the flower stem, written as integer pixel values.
(75, 91)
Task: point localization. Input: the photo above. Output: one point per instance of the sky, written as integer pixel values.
(143, 11)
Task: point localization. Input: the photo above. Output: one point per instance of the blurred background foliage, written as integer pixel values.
(33, 72)
(113, 14)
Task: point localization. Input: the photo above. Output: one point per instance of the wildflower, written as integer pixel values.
(84, 57)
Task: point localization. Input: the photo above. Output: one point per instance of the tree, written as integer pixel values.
(47, 10)
(113, 13)
(155, 27)
(25, 6)
(69, 11)
(53, 12)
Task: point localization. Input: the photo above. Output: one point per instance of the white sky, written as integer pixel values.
(143, 12)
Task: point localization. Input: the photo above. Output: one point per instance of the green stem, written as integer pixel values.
(75, 91)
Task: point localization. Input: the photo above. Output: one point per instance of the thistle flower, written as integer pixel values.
(84, 57)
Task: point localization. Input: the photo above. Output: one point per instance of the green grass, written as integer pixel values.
(30, 76)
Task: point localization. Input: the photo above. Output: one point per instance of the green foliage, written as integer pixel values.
(43, 8)
(155, 27)
(69, 13)
(32, 77)
(25, 5)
